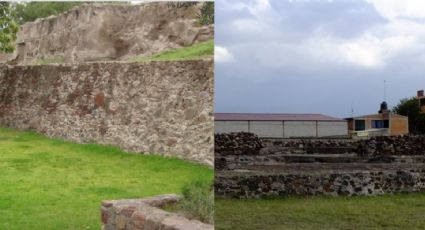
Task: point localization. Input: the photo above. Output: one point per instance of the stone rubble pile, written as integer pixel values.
(307, 143)
(396, 145)
(241, 143)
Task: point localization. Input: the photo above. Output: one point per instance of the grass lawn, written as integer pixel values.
(52, 184)
(196, 51)
(403, 211)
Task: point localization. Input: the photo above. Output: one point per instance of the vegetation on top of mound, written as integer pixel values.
(196, 51)
(30, 11)
(206, 14)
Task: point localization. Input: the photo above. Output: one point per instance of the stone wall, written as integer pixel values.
(146, 214)
(250, 167)
(155, 107)
(337, 183)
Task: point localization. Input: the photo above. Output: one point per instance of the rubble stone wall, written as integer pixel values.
(146, 214)
(251, 167)
(154, 107)
(249, 185)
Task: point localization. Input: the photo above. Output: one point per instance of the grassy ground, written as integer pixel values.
(403, 211)
(196, 51)
(52, 184)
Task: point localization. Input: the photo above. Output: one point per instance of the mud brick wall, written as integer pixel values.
(251, 185)
(153, 107)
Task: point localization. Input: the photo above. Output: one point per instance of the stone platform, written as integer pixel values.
(320, 179)
(319, 167)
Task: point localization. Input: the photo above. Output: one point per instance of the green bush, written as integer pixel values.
(205, 16)
(198, 201)
(30, 11)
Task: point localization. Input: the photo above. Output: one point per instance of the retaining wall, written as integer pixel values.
(256, 185)
(250, 167)
(146, 214)
(155, 107)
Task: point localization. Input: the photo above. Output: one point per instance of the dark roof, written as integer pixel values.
(272, 117)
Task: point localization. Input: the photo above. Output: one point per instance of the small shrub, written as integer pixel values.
(206, 16)
(198, 201)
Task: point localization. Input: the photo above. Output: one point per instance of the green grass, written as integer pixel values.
(50, 60)
(402, 211)
(52, 184)
(196, 51)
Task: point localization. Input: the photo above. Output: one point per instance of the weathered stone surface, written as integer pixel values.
(237, 143)
(145, 214)
(109, 32)
(318, 166)
(396, 145)
(140, 107)
(336, 183)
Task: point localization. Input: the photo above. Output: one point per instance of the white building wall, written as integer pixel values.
(230, 126)
(270, 129)
(332, 128)
(286, 129)
(299, 129)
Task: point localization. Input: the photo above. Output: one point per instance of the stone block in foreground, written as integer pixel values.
(146, 214)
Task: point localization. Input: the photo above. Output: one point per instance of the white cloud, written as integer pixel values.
(399, 8)
(221, 54)
(365, 52)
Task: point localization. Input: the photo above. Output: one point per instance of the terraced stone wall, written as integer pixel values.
(154, 107)
(250, 167)
(337, 183)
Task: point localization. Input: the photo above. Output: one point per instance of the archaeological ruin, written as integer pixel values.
(250, 167)
(78, 84)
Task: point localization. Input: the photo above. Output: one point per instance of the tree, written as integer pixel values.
(410, 107)
(206, 17)
(206, 14)
(27, 12)
(8, 27)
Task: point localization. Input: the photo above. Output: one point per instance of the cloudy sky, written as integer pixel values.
(317, 56)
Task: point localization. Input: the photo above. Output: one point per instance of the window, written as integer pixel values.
(359, 125)
(380, 124)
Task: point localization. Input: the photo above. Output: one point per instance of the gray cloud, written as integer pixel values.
(315, 56)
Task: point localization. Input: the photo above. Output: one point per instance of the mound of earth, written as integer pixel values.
(93, 32)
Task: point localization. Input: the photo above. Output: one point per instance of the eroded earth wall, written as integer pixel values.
(155, 107)
(98, 32)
